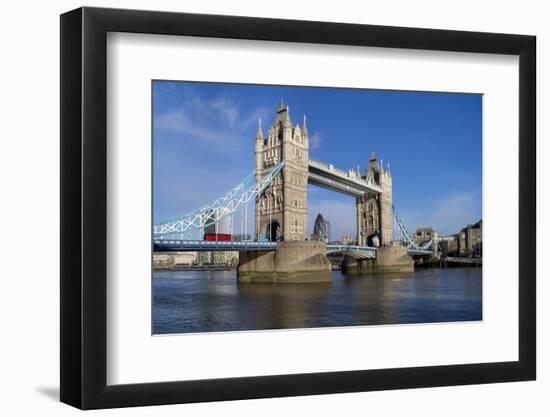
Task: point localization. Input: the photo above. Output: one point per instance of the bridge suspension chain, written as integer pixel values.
(410, 242)
(212, 213)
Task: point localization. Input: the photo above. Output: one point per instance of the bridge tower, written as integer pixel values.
(281, 211)
(374, 212)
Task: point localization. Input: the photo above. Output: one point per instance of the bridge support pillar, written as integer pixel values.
(352, 265)
(292, 262)
(388, 259)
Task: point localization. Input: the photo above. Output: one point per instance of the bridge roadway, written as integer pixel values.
(160, 245)
(362, 252)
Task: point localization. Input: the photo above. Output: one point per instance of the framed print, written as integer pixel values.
(257, 208)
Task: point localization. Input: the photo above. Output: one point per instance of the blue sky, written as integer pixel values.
(203, 144)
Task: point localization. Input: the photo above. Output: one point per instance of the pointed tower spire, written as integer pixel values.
(304, 127)
(372, 156)
(286, 114)
(260, 133)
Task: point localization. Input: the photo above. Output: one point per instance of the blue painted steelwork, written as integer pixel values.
(237, 198)
(419, 252)
(321, 173)
(412, 247)
(164, 245)
(219, 209)
(360, 252)
(175, 245)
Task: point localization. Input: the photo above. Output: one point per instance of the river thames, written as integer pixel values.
(213, 301)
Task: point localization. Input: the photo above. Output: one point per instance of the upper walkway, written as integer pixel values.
(335, 179)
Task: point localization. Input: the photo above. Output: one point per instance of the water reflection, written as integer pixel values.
(283, 306)
(199, 301)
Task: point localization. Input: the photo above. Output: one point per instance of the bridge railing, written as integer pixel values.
(210, 245)
(364, 252)
(175, 245)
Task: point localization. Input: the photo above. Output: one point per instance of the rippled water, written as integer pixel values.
(208, 301)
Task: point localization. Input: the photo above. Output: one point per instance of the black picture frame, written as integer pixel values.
(84, 207)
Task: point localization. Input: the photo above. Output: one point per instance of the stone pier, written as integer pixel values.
(388, 259)
(291, 262)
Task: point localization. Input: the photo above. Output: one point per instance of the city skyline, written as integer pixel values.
(432, 140)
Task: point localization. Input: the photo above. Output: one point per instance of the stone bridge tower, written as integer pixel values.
(281, 212)
(374, 212)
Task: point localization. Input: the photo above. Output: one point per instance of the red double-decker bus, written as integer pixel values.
(224, 237)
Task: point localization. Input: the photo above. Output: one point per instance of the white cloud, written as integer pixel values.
(226, 109)
(181, 123)
(213, 122)
(315, 141)
(196, 125)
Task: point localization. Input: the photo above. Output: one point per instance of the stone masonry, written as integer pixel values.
(281, 212)
(294, 262)
(374, 212)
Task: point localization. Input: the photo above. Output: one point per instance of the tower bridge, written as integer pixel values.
(278, 188)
